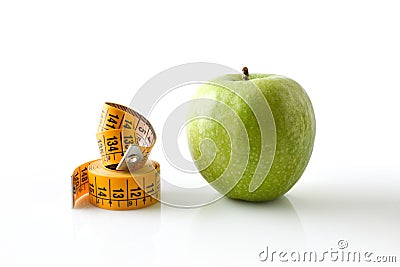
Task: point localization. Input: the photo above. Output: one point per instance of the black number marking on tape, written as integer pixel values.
(136, 194)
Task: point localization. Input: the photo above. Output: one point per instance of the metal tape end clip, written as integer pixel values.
(132, 158)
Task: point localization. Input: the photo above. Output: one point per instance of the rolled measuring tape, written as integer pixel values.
(123, 178)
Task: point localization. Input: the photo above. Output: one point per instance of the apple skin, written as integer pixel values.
(295, 126)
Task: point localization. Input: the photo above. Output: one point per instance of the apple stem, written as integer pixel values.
(245, 74)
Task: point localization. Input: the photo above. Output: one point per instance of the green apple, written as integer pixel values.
(277, 117)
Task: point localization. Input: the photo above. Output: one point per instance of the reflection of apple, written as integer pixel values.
(294, 130)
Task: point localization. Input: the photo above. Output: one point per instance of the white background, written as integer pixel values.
(60, 60)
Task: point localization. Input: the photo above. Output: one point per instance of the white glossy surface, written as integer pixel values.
(322, 210)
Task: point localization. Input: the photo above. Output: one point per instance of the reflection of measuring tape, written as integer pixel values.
(123, 178)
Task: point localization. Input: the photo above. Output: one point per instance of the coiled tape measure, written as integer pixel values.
(123, 178)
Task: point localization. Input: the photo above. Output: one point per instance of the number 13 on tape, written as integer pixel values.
(123, 178)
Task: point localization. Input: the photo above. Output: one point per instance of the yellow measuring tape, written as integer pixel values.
(124, 178)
